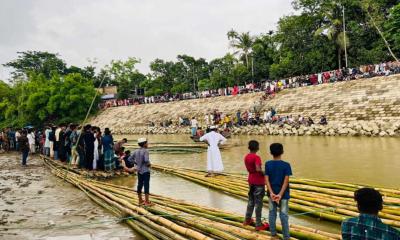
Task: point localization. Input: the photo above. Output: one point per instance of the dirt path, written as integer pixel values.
(36, 205)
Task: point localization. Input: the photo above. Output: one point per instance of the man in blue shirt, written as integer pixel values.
(277, 174)
(368, 226)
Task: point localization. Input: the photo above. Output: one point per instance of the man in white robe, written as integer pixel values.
(214, 159)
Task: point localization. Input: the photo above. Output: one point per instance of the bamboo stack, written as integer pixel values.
(160, 147)
(172, 219)
(321, 199)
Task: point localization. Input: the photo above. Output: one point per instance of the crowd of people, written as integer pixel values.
(270, 87)
(24, 140)
(254, 117)
(83, 147)
(227, 121)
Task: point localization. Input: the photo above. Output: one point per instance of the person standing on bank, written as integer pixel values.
(31, 140)
(194, 125)
(107, 142)
(23, 143)
(256, 182)
(277, 174)
(88, 139)
(214, 159)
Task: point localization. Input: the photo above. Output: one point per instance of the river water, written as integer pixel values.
(370, 161)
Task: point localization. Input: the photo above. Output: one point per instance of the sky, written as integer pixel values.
(103, 30)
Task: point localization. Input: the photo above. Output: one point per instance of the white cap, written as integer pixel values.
(142, 140)
(213, 127)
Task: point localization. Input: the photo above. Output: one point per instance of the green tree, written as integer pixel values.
(332, 27)
(124, 75)
(38, 62)
(392, 28)
(242, 42)
(299, 52)
(375, 10)
(263, 53)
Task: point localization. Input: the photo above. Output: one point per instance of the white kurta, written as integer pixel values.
(214, 159)
(95, 153)
(47, 141)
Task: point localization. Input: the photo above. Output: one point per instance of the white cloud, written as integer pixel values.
(146, 29)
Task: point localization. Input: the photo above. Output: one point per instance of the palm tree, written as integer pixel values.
(331, 26)
(243, 42)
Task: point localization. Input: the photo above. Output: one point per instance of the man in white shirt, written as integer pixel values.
(31, 141)
(194, 124)
(207, 120)
(17, 135)
(57, 142)
(214, 159)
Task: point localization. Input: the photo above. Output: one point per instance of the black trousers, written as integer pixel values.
(89, 156)
(144, 181)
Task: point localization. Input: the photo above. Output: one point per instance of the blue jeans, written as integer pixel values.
(47, 151)
(283, 215)
(194, 130)
(24, 157)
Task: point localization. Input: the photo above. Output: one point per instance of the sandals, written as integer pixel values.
(146, 204)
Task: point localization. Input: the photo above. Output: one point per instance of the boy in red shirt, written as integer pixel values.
(256, 181)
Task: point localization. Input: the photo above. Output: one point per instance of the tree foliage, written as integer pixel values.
(45, 89)
(45, 94)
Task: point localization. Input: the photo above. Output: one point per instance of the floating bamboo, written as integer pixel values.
(321, 199)
(171, 219)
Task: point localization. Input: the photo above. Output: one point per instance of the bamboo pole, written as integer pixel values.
(204, 222)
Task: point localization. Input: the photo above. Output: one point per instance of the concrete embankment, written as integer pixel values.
(369, 107)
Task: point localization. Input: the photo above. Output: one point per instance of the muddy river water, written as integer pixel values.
(32, 197)
(370, 161)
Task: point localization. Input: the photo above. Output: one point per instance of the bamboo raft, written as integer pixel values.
(93, 174)
(171, 219)
(320, 199)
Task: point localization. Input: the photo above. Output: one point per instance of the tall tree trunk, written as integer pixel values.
(383, 37)
(339, 59)
(247, 59)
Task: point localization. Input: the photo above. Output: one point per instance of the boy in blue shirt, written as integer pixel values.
(277, 174)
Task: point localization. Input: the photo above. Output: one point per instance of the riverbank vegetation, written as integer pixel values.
(44, 89)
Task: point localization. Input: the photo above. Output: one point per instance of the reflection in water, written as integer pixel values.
(364, 160)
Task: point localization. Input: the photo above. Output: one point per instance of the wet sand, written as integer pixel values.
(36, 205)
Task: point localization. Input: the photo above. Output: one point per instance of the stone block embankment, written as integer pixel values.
(358, 128)
(369, 107)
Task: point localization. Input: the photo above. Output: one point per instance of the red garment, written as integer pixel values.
(251, 161)
(235, 90)
(313, 79)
